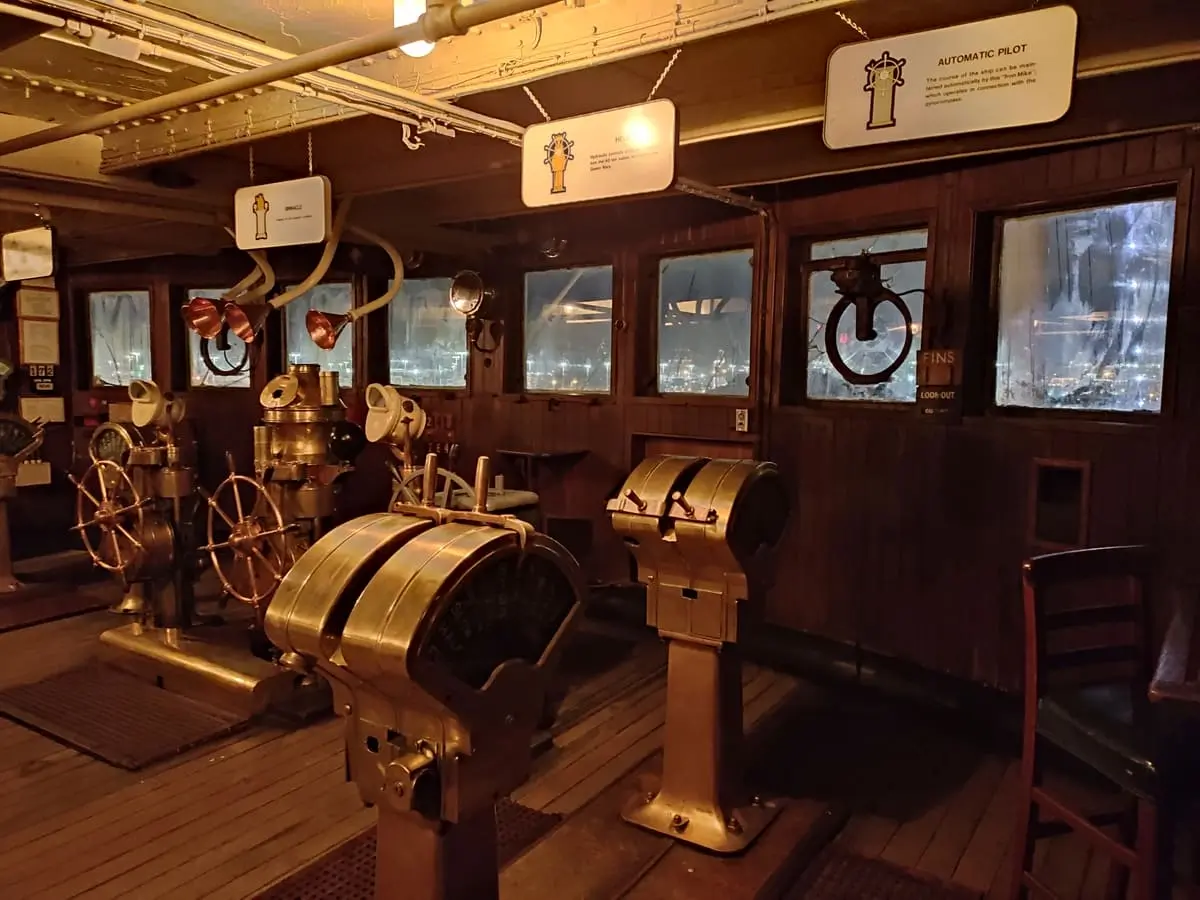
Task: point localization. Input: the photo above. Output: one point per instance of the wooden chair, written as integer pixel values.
(1087, 671)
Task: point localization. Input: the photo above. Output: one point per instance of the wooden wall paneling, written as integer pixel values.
(906, 536)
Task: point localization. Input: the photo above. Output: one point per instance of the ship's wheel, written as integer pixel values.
(254, 555)
(447, 485)
(109, 517)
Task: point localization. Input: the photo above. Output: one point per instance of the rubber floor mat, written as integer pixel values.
(348, 872)
(115, 717)
(838, 875)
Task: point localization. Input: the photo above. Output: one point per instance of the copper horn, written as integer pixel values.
(246, 321)
(324, 327)
(204, 316)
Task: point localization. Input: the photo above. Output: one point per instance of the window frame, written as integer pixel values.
(612, 395)
(800, 271)
(81, 291)
(989, 220)
(646, 372)
(413, 390)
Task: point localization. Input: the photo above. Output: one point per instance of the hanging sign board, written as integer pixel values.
(27, 254)
(283, 214)
(999, 73)
(939, 384)
(615, 153)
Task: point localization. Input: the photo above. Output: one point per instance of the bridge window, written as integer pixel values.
(568, 330)
(1083, 308)
(225, 353)
(335, 298)
(120, 322)
(901, 256)
(704, 308)
(427, 339)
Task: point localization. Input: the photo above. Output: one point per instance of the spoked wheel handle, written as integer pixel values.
(116, 510)
(249, 541)
(409, 489)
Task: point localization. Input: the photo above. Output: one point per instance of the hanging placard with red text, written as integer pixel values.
(615, 153)
(1005, 72)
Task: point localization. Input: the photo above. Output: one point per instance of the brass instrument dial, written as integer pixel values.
(15, 435)
(112, 442)
(509, 607)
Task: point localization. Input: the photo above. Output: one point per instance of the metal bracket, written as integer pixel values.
(721, 195)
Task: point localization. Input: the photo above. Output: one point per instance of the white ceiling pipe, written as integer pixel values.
(342, 86)
(436, 24)
(20, 12)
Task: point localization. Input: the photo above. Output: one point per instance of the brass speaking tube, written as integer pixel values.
(239, 307)
(247, 321)
(207, 317)
(325, 327)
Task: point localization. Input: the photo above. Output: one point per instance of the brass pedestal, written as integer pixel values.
(132, 602)
(430, 860)
(213, 665)
(702, 799)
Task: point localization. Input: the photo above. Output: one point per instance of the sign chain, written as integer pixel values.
(252, 164)
(849, 21)
(665, 72)
(310, 155)
(536, 102)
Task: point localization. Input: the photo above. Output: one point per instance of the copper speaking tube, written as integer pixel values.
(246, 321)
(204, 316)
(325, 327)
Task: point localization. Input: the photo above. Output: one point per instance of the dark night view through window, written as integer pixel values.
(120, 323)
(427, 339)
(1083, 308)
(568, 330)
(199, 374)
(336, 298)
(704, 305)
(903, 276)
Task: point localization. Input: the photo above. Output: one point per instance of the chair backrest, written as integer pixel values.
(1085, 618)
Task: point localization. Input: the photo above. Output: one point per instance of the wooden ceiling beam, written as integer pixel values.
(133, 210)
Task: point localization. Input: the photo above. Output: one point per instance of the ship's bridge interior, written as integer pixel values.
(596, 449)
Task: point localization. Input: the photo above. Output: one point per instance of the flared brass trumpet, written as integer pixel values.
(205, 316)
(325, 327)
(240, 308)
(247, 321)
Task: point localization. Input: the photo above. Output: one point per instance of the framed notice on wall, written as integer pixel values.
(600, 156)
(37, 303)
(998, 73)
(39, 342)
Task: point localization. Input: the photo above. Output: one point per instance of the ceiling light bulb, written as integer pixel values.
(406, 12)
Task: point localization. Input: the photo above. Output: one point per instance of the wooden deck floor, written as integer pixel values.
(230, 819)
